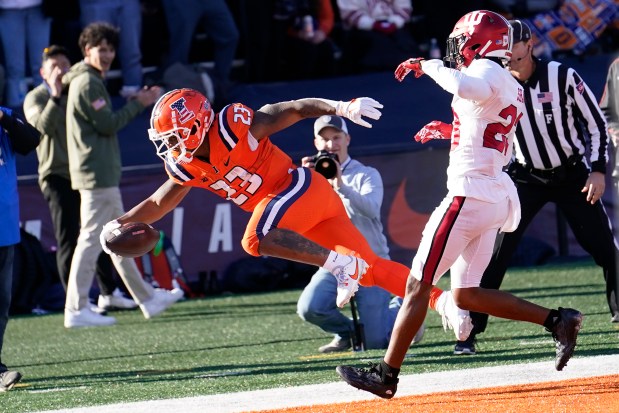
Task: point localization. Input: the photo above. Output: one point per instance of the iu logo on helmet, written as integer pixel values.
(473, 19)
(183, 112)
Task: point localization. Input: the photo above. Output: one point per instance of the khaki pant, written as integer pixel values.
(99, 206)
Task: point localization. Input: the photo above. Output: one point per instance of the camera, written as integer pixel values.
(326, 164)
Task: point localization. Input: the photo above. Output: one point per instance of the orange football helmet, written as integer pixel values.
(480, 33)
(178, 124)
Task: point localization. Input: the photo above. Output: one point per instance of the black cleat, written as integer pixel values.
(564, 334)
(368, 379)
(466, 347)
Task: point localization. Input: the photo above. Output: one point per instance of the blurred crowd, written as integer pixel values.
(216, 43)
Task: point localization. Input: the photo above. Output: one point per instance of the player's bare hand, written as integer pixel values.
(357, 108)
(594, 187)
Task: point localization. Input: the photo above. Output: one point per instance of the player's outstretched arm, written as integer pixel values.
(156, 206)
(275, 117)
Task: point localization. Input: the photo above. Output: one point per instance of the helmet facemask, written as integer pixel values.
(453, 56)
(171, 145)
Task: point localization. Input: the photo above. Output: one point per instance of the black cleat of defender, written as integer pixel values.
(564, 334)
(367, 379)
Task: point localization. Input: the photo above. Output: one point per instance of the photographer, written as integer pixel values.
(361, 189)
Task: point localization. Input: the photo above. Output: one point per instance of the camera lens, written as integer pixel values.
(326, 166)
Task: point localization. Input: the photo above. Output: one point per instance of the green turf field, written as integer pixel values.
(249, 342)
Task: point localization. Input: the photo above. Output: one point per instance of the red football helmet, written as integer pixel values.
(178, 124)
(480, 33)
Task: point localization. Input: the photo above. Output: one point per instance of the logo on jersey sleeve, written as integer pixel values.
(580, 87)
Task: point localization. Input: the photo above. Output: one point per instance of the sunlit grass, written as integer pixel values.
(255, 341)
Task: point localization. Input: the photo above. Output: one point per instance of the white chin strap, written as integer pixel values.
(184, 157)
(166, 152)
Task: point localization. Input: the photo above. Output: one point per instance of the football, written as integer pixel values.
(132, 239)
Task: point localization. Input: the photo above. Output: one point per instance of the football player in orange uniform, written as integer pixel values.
(296, 214)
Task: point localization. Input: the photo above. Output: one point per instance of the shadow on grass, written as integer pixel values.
(418, 356)
(185, 350)
(223, 371)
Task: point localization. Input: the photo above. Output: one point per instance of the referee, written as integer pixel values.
(561, 123)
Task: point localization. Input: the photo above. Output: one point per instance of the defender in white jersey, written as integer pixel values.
(481, 198)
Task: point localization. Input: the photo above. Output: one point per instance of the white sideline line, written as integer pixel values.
(339, 392)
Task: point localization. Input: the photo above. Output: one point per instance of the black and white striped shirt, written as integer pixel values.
(562, 117)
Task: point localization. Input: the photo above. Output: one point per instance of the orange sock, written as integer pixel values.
(388, 275)
(392, 276)
(340, 249)
(434, 295)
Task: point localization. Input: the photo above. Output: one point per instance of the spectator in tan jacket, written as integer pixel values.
(45, 108)
(95, 168)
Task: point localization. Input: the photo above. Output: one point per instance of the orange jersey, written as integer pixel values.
(240, 168)
(260, 178)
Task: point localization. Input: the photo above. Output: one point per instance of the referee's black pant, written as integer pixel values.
(590, 225)
(64, 207)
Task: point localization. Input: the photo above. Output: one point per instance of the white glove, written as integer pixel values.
(359, 107)
(107, 229)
